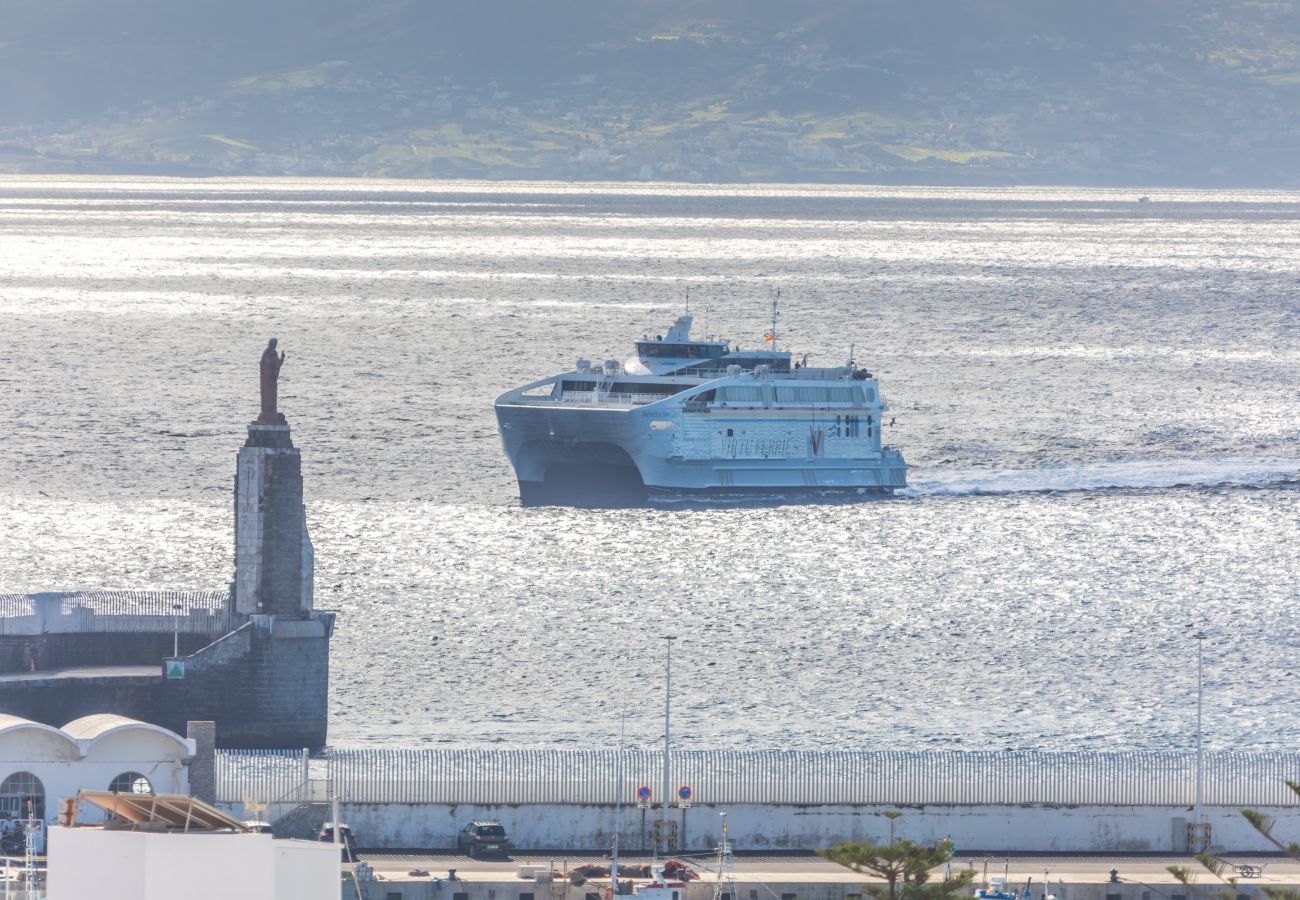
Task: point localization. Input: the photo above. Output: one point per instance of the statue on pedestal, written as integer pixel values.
(270, 374)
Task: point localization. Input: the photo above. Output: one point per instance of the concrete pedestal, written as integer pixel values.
(273, 552)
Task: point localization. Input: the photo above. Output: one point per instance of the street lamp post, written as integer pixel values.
(1200, 755)
(176, 630)
(668, 693)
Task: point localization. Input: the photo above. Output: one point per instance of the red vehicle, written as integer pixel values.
(347, 839)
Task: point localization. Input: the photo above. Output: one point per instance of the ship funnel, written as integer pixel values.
(681, 330)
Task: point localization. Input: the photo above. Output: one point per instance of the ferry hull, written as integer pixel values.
(601, 457)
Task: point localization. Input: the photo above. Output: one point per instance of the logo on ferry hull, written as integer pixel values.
(816, 439)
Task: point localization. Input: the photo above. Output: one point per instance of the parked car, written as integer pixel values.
(347, 839)
(483, 836)
(257, 826)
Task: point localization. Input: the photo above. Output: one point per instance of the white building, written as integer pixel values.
(164, 847)
(40, 764)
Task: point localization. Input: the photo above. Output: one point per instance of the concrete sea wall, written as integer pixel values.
(40, 652)
(265, 683)
(756, 827)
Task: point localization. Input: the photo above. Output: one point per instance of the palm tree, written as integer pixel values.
(905, 867)
(1264, 825)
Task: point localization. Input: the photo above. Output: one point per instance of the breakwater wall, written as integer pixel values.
(995, 828)
(42, 652)
(781, 800)
(262, 678)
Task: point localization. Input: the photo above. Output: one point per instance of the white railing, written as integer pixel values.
(79, 612)
(263, 776)
(610, 397)
(771, 777)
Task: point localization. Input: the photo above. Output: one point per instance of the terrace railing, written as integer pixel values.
(189, 612)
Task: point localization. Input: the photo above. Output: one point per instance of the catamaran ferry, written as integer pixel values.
(687, 419)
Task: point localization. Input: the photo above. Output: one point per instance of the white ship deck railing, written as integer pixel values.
(588, 398)
(836, 373)
(610, 398)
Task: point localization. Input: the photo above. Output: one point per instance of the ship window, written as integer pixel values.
(853, 426)
(870, 394)
(814, 394)
(626, 387)
(640, 387)
(705, 396)
(731, 432)
(659, 350)
(741, 393)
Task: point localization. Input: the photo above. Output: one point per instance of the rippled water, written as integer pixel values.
(1100, 400)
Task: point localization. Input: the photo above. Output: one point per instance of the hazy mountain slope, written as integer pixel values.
(1010, 90)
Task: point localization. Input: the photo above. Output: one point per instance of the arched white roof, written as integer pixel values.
(16, 724)
(99, 726)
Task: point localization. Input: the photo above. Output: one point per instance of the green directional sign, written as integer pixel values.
(175, 669)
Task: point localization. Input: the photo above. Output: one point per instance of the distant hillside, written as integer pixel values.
(983, 91)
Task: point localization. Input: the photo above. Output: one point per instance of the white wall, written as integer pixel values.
(761, 827)
(136, 865)
(34, 744)
(306, 869)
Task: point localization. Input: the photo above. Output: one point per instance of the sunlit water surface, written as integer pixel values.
(1099, 399)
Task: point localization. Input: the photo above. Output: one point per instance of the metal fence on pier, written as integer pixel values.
(189, 612)
(772, 777)
(261, 776)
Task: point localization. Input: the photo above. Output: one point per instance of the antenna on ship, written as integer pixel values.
(771, 334)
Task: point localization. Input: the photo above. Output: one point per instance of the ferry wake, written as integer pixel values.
(698, 420)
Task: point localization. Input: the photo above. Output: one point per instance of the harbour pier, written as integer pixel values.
(778, 801)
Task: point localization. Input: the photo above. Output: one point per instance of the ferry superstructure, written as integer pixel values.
(688, 419)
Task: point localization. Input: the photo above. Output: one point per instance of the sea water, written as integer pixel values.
(1099, 400)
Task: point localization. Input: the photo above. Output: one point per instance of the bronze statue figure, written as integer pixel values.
(270, 372)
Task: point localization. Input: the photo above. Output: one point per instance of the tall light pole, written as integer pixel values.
(668, 696)
(618, 808)
(176, 630)
(1200, 755)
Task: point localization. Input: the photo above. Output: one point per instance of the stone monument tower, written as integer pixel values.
(273, 553)
(261, 675)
